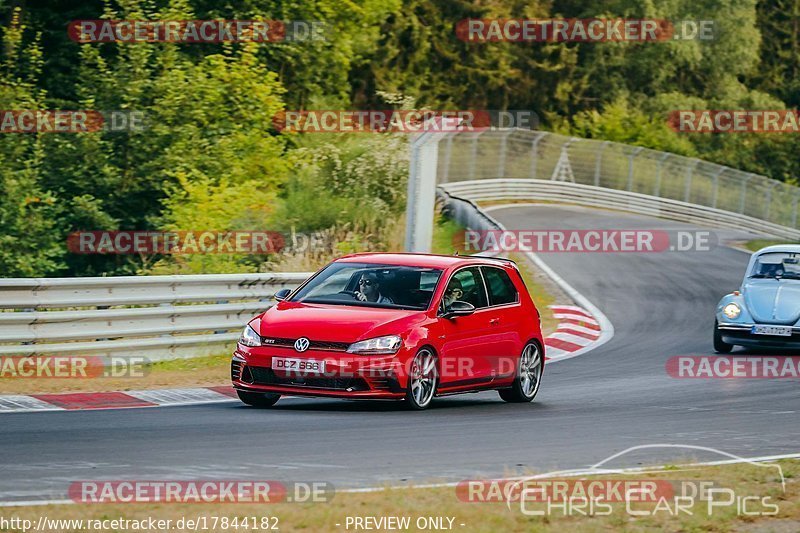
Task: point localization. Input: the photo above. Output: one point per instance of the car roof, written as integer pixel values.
(422, 260)
(788, 248)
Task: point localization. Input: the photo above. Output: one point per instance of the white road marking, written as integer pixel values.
(179, 396)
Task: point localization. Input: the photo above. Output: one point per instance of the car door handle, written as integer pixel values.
(494, 321)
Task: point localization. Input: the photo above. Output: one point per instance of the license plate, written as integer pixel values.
(782, 331)
(289, 364)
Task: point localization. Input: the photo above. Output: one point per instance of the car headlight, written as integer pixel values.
(249, 337)
(379, 345)
(731, 310)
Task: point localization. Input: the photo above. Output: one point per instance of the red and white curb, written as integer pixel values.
(78, 401)
(577, 331)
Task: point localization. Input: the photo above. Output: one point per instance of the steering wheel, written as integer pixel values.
(349, 293)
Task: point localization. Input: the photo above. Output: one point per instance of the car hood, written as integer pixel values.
(335, 323)
(773, 301)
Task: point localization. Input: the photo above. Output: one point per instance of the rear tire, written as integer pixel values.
(720, 346)
(259, 399)
(529, 376)
(423, 380)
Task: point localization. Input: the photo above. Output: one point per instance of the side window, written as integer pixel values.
(501, 288)
(471, 284)
(427, 280)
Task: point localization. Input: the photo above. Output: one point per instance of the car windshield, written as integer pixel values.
(777, 265)
(372, 285)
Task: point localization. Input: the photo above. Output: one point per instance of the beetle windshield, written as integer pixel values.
(372, 285)
(777, 265)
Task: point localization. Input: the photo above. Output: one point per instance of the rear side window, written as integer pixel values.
(501, 288)
(470, 282)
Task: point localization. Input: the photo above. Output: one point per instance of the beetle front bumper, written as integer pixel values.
(741, 335)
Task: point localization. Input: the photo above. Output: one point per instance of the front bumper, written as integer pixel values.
(345, 376)
(740, 335)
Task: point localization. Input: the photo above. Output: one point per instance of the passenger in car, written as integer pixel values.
(453, 292)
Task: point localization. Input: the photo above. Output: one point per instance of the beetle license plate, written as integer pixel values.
(289, 364)
(782, 331)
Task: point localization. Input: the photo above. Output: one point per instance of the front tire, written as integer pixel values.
(529, 376)
(259, 399)
(423, 379)
(720, 346)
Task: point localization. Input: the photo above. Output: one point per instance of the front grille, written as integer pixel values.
(265, 376)
(326, 346)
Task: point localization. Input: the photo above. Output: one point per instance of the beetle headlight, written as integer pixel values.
(379, 345)
(732, 311)
(249, 337)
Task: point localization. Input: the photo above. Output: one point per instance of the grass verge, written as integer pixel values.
(756, 489)
(205, 371)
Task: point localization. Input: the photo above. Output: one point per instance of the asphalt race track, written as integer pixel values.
(589, 407)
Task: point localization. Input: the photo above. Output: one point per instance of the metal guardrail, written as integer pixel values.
(565, 192)
(658, 183)
(159, 317)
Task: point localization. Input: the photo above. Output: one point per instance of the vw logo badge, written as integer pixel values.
(301, 344)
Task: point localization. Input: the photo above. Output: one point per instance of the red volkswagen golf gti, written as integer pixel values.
(395, 326)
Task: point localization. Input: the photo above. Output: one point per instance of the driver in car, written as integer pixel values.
(453, 292)
(369, 289)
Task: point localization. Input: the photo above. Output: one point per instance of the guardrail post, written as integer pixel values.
(473, 157)
(501, 164)
(689, 173)
(598, 162)
(535, 154)
(659, 165)
(631, 157)
(743, 197)
(448, 148)
(794, 210)
(768, 201)
(715, 193)
(423, 166)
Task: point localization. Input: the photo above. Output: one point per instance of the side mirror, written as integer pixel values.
(282, 294)
(459, 308)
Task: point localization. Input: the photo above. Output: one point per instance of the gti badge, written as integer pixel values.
(301, 344)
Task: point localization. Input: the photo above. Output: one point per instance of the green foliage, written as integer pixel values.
(361, 180)
(209, 159)
(29, 214)
(620, 123)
